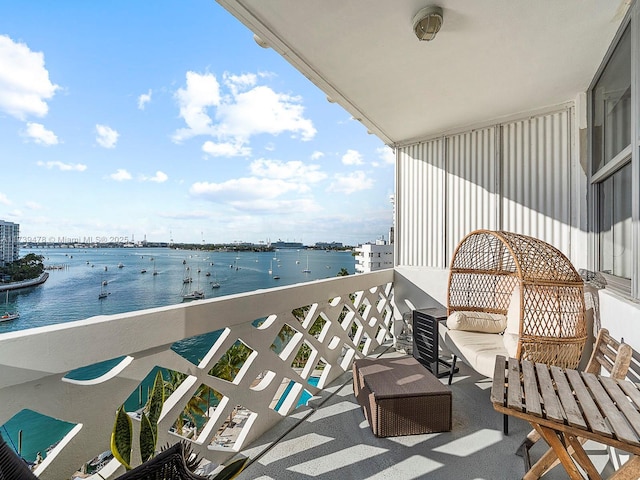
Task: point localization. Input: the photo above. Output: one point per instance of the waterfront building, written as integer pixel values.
(9, 242)
(374, 256)
(283, 244)
(522, 119)
(328, 245)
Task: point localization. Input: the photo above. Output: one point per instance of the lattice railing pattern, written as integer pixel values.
(287, 335)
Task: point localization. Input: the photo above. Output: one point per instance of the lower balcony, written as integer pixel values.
(235, 366)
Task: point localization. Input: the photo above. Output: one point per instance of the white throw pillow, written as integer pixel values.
(512, 332)
(477, 322)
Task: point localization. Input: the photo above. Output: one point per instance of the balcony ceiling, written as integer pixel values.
(491, 59)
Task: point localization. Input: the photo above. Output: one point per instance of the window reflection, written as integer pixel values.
(612, 106)
(615, 223)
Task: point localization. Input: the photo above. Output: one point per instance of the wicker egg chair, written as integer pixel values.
(488, 266)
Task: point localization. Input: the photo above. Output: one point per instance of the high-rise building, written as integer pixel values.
(9, 242)
(374, 256)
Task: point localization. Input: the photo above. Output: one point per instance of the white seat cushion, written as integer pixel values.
(512, 332)
(478, 350)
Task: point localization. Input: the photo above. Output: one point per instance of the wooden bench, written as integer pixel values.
(401, 397)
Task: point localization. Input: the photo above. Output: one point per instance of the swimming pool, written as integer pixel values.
(304, 398)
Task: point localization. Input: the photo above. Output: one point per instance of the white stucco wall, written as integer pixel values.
(621, 317)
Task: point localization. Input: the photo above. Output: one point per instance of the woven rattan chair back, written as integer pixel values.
(167, 465)
(486, 268)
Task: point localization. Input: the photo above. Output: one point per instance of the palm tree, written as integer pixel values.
(194, 408)
(231, 362)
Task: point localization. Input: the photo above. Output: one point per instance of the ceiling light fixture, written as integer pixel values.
(260, 41)
(427, 23)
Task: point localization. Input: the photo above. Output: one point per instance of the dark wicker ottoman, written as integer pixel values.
(401, 397)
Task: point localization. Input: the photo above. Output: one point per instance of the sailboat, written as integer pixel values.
(215, 283)
(306, 270)
(187, 275)
(196, 294)
(8, 315)
(155, 272)
(103, 291)
(271, 268)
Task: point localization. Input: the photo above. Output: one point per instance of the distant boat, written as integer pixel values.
(187, 275)
(155, 272)
(215, 283)
(120, 265)
(103, 292)
(144, 270)
(8, 315)
(271, 268)
(276, 277)
(306, 270)
(196, 294)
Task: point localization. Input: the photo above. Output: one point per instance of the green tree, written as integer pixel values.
(26, 268)
(195, 407)
(231, 362)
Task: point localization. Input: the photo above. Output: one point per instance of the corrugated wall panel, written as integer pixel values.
(420, 205)
(516, 176)
(472, 199)
(536, 178)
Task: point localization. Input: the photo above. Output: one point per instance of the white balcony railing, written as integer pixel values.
(345, 318)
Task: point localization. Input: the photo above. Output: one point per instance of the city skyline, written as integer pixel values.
(171, 123)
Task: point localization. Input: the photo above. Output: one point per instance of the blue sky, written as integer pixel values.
(166, 119)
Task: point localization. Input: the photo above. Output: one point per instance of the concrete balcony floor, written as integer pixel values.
(332, 440)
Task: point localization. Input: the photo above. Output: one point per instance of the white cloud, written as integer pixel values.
(261, 110)
(159, 177)
(40, 135)
(242, 189)
(33, 205)
(239, 82)
(202, 92)
(294, 170)
(144, 99)
(246, 110)
(350, 183)
(387, 155)
(120, 175)
(24, 81)
(317, 155)
(4, 200)
(259, 195)
(65, 167)
(226, 149)
(107, 137)
(352, 157)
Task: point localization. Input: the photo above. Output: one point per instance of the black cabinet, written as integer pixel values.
(425, 340)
